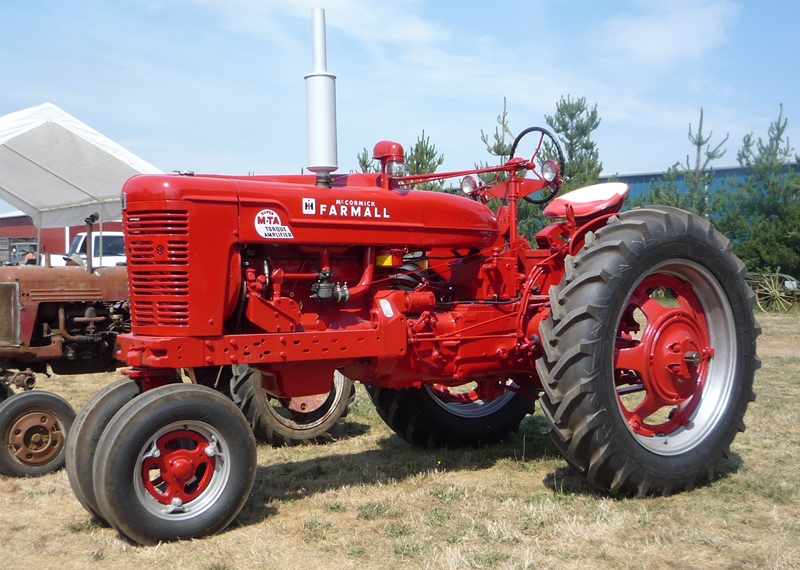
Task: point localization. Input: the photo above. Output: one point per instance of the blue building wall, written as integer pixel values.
(639, 183)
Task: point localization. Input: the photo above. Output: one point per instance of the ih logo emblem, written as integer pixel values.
(309, 206)
(268, 225)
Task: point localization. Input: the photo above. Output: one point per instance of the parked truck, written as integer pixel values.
(108, 250)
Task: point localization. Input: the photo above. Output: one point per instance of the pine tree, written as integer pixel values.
(423, 159)
(698, 178)
(365, 162)
(762, 214)
(500, 147)
(665, 191)
(573, 124)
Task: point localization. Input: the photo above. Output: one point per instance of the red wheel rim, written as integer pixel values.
(484, 390)
(661, 356)
(181, 468)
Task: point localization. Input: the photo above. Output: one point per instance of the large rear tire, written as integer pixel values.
(435, 416)
(33, 428)
(89, 425)
(650, 353)
(176, 462)
(283, 421)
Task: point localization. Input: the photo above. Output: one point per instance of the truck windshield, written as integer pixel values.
(112, 245)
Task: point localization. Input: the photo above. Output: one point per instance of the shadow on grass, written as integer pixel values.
(394, 460)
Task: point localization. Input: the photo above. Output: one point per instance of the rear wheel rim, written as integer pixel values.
(287, 411)
(674, 373)
(472, 400)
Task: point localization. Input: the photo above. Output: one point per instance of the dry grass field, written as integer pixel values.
(368, 500)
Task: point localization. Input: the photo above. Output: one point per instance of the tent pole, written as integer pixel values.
(100, 264)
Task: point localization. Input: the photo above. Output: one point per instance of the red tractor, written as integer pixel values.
(634, 330)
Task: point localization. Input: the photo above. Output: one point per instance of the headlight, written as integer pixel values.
(549, 170)
(468, 185)
(395, 168)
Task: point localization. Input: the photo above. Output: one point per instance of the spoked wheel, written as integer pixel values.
(289, 421)
(440, 416)
(34, 427)
(89, 425)
(773, 296)
(176, 462)
(653, 415)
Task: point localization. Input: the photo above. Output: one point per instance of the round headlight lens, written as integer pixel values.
(468, 185)
(549, 170)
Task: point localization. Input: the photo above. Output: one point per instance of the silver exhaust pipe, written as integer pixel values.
(321, 107)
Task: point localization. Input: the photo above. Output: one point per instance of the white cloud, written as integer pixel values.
(664, 35)
(391, 23)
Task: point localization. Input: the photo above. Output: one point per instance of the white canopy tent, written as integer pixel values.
(59, 170)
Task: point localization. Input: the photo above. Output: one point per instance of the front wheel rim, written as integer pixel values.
(674, 373)
(35, 438)
(182, 470)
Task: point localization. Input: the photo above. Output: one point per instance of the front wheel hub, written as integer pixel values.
(179, 467)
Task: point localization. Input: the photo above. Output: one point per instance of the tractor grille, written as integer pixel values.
(166, 222)
(9, 314)
(173, 252)
(158, 256)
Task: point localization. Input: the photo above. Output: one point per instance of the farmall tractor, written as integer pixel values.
(634, 330)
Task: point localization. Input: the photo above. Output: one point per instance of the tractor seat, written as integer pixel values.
(589, 201)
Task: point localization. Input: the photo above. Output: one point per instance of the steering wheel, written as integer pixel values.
(544, 133)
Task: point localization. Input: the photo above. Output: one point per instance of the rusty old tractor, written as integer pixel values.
(634, 330)
(65, 317)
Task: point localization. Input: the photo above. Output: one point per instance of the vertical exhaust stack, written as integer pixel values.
(321, 108)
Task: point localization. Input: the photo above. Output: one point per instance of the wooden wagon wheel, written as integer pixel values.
(772, 295)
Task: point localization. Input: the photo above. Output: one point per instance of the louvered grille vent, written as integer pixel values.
(158, 254)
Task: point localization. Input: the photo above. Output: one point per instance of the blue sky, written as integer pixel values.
(217, 86)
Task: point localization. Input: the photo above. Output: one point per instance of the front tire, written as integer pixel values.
(435, 416)
(85, 434)
(650, 353)
(176, 462)
(33, 427)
